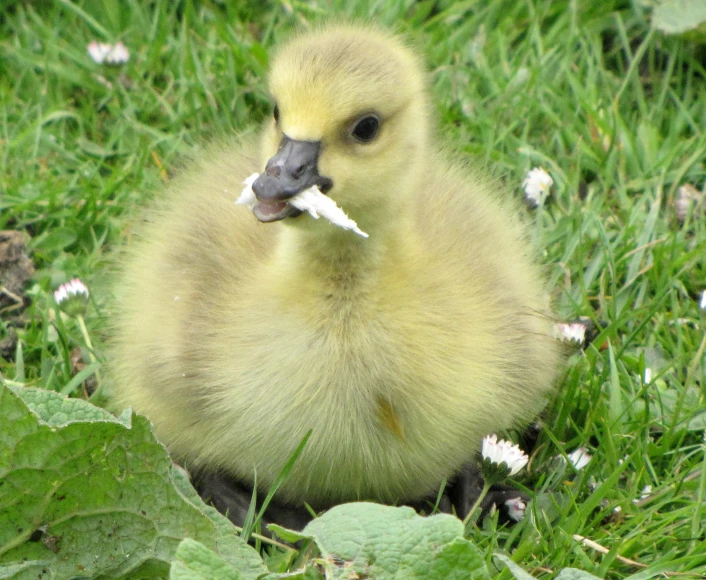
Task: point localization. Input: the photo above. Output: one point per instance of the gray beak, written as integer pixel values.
(291, 170)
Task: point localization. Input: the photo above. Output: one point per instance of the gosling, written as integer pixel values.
(237, 336)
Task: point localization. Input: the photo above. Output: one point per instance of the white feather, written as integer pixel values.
(310, 200)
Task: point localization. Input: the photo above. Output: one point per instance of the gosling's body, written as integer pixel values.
(399, 352)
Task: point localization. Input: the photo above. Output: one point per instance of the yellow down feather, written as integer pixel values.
(399, 352)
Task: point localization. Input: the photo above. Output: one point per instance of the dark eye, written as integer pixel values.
(366, 129)
(275, 114)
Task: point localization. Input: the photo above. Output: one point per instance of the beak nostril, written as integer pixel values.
(273, 170)
(299, 171)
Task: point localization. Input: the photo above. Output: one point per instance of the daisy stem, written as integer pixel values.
(89, 344)
(481, 497)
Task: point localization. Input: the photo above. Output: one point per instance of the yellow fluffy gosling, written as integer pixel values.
(399, 352)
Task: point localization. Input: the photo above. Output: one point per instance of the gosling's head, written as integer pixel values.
(349, 115)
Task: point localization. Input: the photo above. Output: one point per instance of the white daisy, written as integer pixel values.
(119, 54)
(688, 197)
(516, 508)
(579, 458)
(72, 297)
(102, 52)
(98, 51)
(502, 451)
(570, 332)
(537, 185)
(73, 288)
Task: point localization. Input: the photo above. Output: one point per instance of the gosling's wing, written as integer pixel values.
(479, 247)
(470, 218)
(193, 242)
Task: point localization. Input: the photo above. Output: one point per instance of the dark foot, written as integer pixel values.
(467, 485)
(233, 498)
(463, 490)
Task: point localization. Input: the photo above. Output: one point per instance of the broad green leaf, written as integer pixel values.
(383, 542)
(673, 407)
(56, 410)
(565, 574)
(57, 239)
(84, 494)
(194, 561)
(679, 16)
(96, 150)
(575, 574)
(514, 568)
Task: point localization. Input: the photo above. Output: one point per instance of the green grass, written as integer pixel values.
(614, 111)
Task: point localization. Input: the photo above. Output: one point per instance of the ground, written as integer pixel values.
(611, 108)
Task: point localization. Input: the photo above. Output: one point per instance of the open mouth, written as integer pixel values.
(275, 210)
(312, 200)
(272, 211)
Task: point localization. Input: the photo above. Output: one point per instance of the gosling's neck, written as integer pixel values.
(319, 258)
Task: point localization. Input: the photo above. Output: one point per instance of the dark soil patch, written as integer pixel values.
(16, 268)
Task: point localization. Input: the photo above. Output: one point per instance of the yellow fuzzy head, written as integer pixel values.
(323, 84)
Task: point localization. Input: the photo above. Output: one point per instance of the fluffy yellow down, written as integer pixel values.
(399, 351)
